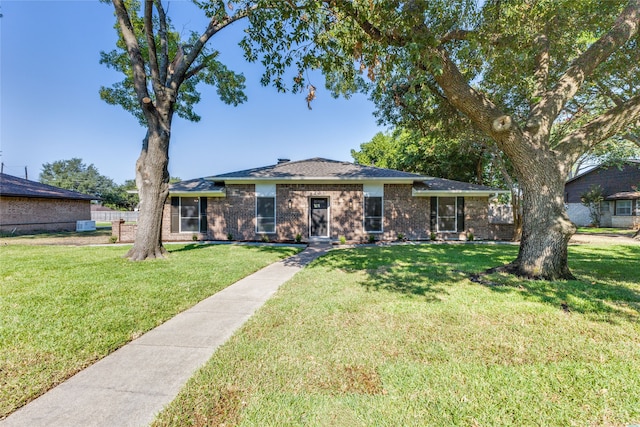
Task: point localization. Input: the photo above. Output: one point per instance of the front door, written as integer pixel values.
(319, 217)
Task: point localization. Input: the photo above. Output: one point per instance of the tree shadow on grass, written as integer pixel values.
(260, 248)
(607, 289)
(425, 271)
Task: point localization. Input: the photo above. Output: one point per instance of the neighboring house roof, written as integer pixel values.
(611, 179)
(319, 170)
(624, 195)
(599, 168)
(19, 187)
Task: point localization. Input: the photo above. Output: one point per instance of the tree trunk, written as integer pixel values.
(546, 228)
(152, 180)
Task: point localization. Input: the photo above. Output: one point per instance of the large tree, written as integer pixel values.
(75, 175)
(460, 159)
(520, 72)
(161, 74)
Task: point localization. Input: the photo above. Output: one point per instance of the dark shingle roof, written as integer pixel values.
(198, 185)
(599, 167)
(448, 185)
(19, 187)
(318, 168)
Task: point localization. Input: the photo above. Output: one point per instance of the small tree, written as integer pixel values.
(591, 199)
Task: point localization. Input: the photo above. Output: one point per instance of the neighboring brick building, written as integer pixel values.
(27, 206)
(620, 188)
(324, 199)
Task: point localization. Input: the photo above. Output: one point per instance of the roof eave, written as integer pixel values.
(185, 193)
(442, 193)
(316, 180)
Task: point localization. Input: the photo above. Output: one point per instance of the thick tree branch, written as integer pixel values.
(613, 122)
(181, 68)
(542, 61)
(133, 50)
(163, 63)
(151, 45)
(366, 25)
(625, 27)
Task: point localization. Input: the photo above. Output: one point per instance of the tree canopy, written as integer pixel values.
(546, 81)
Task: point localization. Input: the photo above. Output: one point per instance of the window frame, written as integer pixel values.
(454, 215)
(629, 208)
(370, 217)
(259, 217)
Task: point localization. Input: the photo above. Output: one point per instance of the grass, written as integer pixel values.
(63, 308)
(390, 336)
(603, 230)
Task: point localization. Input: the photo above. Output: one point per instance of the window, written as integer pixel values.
(447, 214)
(604, 207)
(188, 214)
(266, 214)
(373, 214)
(623, 207)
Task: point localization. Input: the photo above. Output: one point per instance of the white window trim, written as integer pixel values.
(275, 220)
(630, 208)
(364, 215)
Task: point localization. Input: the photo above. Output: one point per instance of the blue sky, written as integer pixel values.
(50, 108)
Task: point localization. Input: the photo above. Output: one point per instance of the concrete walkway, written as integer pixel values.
(132, 385)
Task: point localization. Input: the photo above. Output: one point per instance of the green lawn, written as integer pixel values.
(62, 308)
(603, 230)
(399, 336)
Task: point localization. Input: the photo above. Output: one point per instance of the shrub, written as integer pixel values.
(229, 236)
(592, 199)
(432, 236)
(470, 236)
(298, 238)
(372, 238)
(264, 238)
(342, 239)
(400, 236)
(113, 239)
(194, 237)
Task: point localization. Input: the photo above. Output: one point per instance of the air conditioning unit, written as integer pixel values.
(85, 225)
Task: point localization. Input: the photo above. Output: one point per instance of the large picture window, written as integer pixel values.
(373, 214)
(266, 214)
(623, 207)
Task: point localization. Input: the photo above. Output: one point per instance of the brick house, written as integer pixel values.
(28, 206)
(621, 191)
(322, 199)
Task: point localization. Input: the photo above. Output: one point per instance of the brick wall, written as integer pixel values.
(126, 233)
(476, 216)
(403, 213)
(31, 214)
(501, 232)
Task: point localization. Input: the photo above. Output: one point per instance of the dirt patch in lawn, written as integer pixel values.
(97, 237)
(603, 239)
